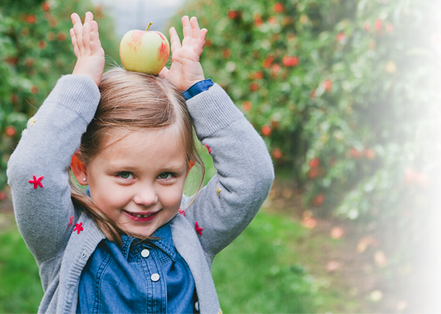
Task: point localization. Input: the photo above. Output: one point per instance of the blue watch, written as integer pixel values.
(197, 88)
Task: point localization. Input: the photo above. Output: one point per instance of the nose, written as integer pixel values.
(145, 196)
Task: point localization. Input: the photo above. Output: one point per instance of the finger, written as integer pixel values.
(186, 28)
(75, 18)
(200, 43)
(74, 42)
(78, 30)
(89, 17)
(164, 73)
(95, 43)
(174, 39)
(194, 28)
(86, 30)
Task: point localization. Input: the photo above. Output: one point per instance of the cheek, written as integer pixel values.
(172, 196)
(107, 196)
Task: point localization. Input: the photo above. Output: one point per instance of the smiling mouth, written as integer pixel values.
(141, 217)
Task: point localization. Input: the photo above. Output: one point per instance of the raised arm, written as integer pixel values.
(38, 168)
(244, 169)
(244, 174)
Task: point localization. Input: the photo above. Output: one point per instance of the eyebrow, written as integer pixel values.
(115, 167)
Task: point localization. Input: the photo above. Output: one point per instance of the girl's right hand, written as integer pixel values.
(87, 48)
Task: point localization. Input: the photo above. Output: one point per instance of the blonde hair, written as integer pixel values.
(132, 101)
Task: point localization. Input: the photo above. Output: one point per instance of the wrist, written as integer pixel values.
(197, 88)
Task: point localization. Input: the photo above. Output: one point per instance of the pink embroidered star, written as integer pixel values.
(182, 212)
(37, 182)
(78, 228)
(70, 221)
(208, 148)
(198, 229)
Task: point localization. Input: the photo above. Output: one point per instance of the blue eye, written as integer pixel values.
(125, 175)
(165, 175)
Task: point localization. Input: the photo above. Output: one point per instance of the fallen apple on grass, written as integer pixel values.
(337, 233)
(144, 51)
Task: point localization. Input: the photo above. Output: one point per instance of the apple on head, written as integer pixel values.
(144, 51)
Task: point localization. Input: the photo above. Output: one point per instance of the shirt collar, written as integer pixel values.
(163, 240)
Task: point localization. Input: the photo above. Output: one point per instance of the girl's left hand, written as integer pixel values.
(186, 69)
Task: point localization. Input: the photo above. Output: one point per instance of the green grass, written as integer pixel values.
(20, 287)
(257, 273)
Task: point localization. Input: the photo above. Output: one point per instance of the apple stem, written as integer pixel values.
(150, 24)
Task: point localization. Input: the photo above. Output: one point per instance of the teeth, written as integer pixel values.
(142, 216)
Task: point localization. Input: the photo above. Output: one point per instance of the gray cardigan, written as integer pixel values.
(47, 218)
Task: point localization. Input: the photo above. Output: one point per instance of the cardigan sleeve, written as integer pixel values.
(38, 168)
(223, 209)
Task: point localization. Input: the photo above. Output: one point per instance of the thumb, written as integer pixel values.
(164, 73)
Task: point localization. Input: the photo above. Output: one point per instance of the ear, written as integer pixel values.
(190, 165)
(79, 169)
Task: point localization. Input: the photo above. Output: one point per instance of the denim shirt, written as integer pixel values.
(148, 277)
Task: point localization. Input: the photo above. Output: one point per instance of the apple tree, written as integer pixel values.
(344, 93)
(35, 50)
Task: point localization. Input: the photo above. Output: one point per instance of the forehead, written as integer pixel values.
(163, 144)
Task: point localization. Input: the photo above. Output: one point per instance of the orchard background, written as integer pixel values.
(346, 95)
(35, 50)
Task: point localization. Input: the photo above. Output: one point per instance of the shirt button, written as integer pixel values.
(145, 253)
(196, 306)
(155, 277)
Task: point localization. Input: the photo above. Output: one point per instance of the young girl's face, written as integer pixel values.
(139, 180)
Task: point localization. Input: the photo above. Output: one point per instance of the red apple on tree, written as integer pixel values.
(378, 24)
(278, 7)
(340, 37)
(369, 153)
(355, 152)
(277, 153)
(314, 163)
(10, 131)
(318, 200)
(327, 84)
(266, 130)
(144, 51)
(290, 61)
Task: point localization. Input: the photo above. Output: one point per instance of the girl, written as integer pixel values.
(128, 246)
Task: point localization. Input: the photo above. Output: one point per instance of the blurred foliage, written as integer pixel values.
(343, 92)
(35, 50)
